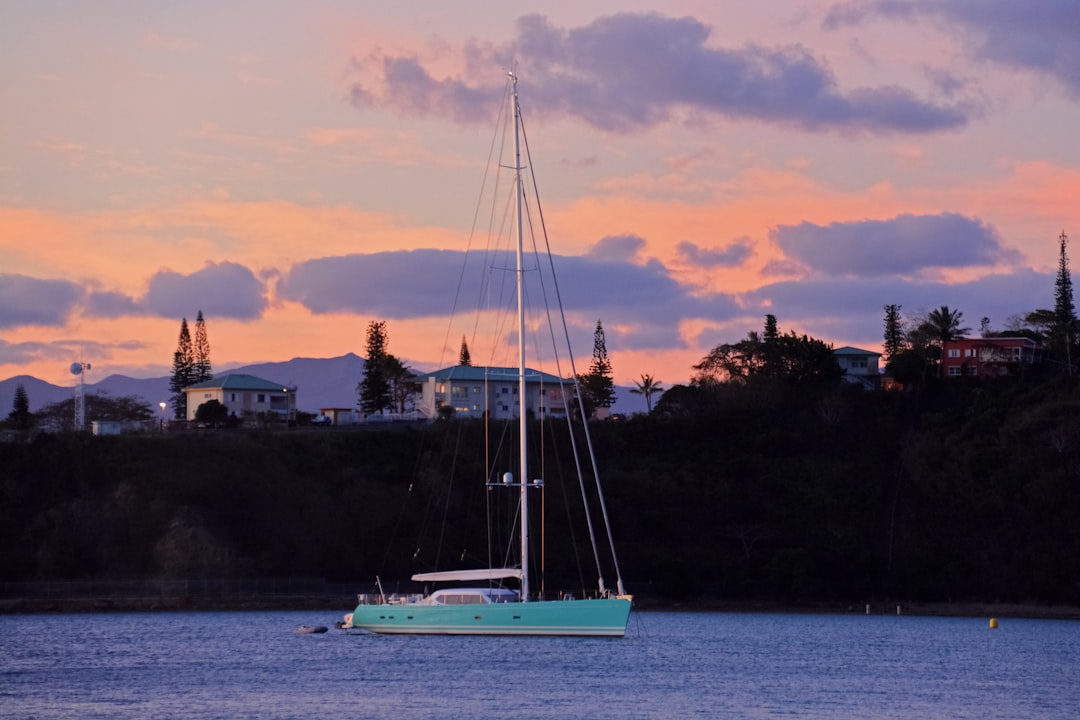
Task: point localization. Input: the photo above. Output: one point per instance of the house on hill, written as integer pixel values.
(859, 366)
(243, 395)
(472, 390)
(988, 357)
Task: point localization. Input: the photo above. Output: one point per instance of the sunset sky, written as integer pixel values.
(291, 168)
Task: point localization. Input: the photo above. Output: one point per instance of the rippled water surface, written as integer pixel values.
(252, 665)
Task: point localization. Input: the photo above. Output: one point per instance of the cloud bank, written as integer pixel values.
(903, 245)
(627, 72)
(1039, 36)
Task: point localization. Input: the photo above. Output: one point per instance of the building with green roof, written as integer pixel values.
(243, 396)
(471, 390)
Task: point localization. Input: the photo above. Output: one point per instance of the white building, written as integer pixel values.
(859, 366)
(243, 395)
(472, 390)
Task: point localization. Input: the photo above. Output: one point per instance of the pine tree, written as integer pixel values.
(20, 417)
(464, 358)
(201, 369)
(182, 372)
(894, 332)
(771, 352)
(1063, 333)
(374, 389)
(597, 385)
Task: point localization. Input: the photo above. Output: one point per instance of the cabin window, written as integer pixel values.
(461, 599)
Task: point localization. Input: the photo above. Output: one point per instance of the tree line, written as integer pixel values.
(960, 490)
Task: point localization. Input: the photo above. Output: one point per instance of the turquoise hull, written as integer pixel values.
(606, 617)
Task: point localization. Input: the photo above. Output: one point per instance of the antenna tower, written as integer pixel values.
(79, 369)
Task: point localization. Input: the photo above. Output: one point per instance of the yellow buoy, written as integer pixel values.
(993, 623)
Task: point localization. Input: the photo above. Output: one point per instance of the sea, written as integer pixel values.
(669, 665)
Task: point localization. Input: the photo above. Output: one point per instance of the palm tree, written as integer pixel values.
(647, 387)
(943, 326)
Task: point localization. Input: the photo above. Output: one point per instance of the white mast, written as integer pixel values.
(523, 471)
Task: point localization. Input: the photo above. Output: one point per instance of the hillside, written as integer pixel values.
(963, 493)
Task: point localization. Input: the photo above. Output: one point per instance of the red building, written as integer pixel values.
(988, 357)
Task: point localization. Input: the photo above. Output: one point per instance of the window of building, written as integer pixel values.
(261, 398)
(476, 389)
(954, 352)
(232, 397)
(969, 352)
(954, 371)
(458, 391)
(971, 370)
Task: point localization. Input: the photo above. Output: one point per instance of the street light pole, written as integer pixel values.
(162, 406)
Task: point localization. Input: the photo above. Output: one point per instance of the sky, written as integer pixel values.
(298, 170)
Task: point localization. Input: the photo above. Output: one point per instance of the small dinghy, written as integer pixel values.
(310, 630)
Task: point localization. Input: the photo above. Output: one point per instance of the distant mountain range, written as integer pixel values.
(320, 382)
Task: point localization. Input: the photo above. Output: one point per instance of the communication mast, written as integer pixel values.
(79, 369)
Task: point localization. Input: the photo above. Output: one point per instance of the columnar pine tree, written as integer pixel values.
(1063, 332)
(374, 389)
(894, 332)
(771, 353)
(201, 369)
(182, 372)
(597, 385)
(20, 417)
(464, 358)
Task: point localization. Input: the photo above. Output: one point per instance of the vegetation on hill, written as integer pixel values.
(960, 491)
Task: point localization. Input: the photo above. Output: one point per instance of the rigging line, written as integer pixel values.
(571, 528)
(472, 230)
(585, 423)
(452, 433)
(551, 327)
(491, 250)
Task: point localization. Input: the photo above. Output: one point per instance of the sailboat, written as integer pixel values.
(484, 605)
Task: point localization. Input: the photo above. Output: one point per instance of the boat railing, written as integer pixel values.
(393, 599)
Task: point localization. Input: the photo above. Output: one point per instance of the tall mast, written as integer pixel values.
(523, 470)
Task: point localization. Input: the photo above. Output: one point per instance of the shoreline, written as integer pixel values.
(189, 603)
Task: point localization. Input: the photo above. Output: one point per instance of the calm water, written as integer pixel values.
(234, 665)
